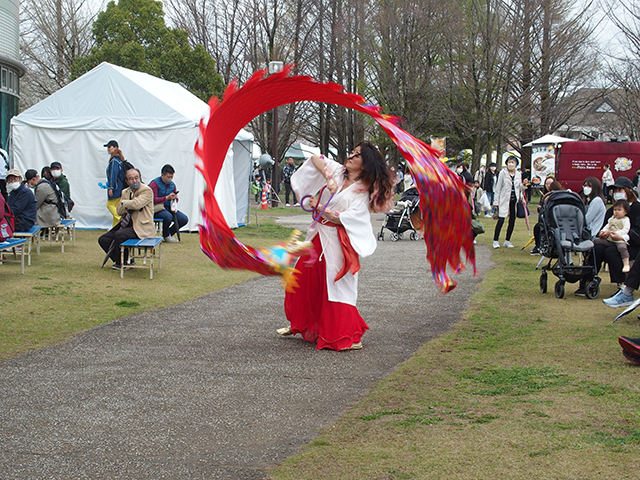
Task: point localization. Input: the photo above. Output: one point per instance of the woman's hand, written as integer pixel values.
(615, 236)
(332, 186)
(110, 192)
(603, 234)
(313, 202)
(332, 216)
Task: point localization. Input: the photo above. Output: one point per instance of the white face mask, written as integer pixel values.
(56, 173)
(587, 190)
(511, 166)
(459, 170)
(12, 186)
(619, 196)
(493, 169)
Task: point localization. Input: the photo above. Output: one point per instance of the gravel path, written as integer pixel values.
(207, 389)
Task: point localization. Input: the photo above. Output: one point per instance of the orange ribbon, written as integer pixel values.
(350, 258)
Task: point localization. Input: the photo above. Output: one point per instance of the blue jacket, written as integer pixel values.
(24, 207)
(160, 191)
(115, 177)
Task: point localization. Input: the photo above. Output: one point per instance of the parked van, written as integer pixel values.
(576, 161)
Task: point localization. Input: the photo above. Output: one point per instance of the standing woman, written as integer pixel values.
(607, 181)
(508, 190)
(115, 179)
(323, 307)
(489, 183)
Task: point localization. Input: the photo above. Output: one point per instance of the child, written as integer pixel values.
(476, 194)
(256, 187)
(618, 223)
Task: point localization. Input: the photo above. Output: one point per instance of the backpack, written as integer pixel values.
(61, 200)
(7, 221)
(126, 166)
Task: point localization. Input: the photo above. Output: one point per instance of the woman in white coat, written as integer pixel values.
(507, 192)
(323, 306)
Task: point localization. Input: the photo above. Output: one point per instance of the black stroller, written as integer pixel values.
(398, 220)
(563, 233)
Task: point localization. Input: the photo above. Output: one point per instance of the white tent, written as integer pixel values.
(548, 139)
(155, 123)
(300, 151)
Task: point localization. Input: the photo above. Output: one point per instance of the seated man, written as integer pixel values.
(48, 213)
(22, 202)
(137, 201)
(60, 178)
(165, 197)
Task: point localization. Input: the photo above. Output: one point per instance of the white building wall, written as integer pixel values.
(9, 29)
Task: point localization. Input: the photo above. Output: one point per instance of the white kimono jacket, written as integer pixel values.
(353, 205)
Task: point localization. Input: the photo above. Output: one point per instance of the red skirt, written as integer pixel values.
(332, 325)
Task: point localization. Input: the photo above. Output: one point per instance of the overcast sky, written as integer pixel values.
(610, 39)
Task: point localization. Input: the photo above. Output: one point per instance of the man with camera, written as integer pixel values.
(165, 204)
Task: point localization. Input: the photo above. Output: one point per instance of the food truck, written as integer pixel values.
(575, 161)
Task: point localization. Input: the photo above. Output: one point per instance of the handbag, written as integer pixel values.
(476, 226)
(520, 210)
(485, 206)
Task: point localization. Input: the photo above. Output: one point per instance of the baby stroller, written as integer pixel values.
(563, 233)
(398, 220)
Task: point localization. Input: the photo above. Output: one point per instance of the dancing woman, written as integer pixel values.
(323, 307)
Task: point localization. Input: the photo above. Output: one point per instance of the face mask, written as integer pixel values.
(12, 186)
(586, 190)
(166, 181)
(619, 196)
(459, 170)
(493, 169)
(511, 166)
(56, 173)
(135, 185)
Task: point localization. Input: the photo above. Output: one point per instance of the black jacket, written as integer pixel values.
(24, 207)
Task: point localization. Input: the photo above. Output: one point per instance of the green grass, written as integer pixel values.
(61, 295)
(525, 386)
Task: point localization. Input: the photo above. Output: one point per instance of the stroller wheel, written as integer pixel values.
(559, 289)
(543, 282)
(414, 236)
(592, 290)
(381, 236)
(401, 236)
(393, 237)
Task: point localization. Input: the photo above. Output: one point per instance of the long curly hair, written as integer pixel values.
(377, 178)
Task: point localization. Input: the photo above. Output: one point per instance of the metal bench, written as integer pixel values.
(158, 224)
(32, 236)
(11, 244)
(147, 248)
(57, 233)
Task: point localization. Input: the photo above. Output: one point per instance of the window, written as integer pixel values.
(4, 78)
(605, 108)
(10, 82)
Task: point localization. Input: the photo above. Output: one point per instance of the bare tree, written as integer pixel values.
(559, 58)
(624, 70)
(53, 34)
